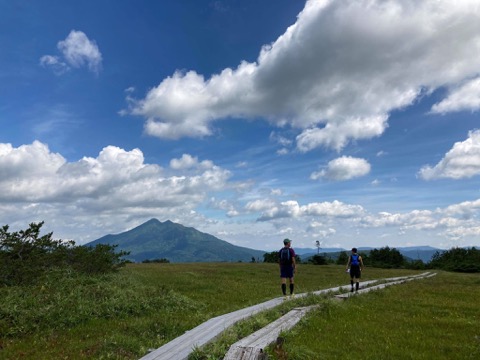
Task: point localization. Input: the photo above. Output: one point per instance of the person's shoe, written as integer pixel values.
(351, 290)
(292, 295)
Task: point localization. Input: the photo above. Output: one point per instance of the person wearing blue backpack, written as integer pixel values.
(355, 267)
(286, 260)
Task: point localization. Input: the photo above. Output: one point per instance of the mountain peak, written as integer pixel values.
(177, 243)
(152, 221)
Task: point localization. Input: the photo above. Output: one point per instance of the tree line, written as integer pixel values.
(455, 259)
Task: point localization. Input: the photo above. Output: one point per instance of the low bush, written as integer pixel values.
(385, 257)
(458, 260)
(26, 256)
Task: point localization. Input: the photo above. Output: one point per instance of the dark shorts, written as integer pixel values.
(286, 271)
(355, 272)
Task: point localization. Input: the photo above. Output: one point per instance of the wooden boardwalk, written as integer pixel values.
(389, 282)
(252, 346)
(181, 347)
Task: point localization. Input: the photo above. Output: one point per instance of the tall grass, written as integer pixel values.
(122, 316)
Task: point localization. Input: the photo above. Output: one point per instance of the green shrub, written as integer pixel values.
(99, 259)
(387, 258)
(457, 259)
(318, 260)
(415, 264)
(25, 256)
(271, 257)
(157, 261)
(342, 258)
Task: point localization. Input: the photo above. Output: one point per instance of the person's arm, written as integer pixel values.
(361, 263)
(348, 262)
(294, 262)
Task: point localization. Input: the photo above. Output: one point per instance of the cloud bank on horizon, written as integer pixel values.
(337, 77)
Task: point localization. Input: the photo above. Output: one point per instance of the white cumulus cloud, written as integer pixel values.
(188, 161)
(334, 75)
(77, 51)
(463, 97)
(292, 209)
(461, 161)
(343, 168)
(115, 182)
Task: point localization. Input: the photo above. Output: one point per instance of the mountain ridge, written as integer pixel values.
(176, 243)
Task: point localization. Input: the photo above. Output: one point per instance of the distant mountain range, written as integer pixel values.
(176, 243)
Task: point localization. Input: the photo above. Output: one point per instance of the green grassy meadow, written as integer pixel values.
(123, 315)
(436, 318)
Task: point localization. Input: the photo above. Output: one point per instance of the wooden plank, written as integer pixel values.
(341, 288)
(247, 353)
(391, 281)
(365, 290)
(251, 347)
(183, 345)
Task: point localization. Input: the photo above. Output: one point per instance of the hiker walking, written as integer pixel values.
(355, 265)
(286, 260)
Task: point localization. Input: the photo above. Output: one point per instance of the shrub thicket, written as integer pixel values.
(318, 260)
(342, 258)
(25, 256)
(271, 257)
(457, 259)
(156, 261)
(385, 257)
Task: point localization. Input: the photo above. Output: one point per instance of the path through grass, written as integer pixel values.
(145, 306)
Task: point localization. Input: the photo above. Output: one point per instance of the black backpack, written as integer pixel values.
(285, 256)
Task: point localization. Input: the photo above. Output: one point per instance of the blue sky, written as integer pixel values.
(352, 123)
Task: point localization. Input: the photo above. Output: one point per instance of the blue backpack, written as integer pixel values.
(354, 260)
(285, 256)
